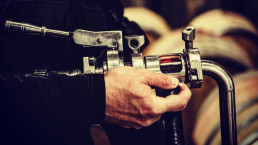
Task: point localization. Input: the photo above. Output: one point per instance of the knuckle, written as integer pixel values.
(183, 104)
(154, 111)
(189, 92)
(149, 110)
(137, 127)
(146, 123)
(136, 91)
(143, 112)
(165, 80)
(179, 108)
(127, 127)
(187, 97)
(185, 101)
(141, 77)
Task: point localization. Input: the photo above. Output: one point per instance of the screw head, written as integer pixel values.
(100, 40)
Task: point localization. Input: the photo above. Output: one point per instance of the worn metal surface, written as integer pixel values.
(110, 39)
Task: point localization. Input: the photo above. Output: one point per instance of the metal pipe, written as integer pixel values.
(226, 101)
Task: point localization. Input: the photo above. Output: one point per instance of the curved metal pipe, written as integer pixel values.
(226, 101)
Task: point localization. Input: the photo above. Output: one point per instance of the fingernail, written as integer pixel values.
(174, 81)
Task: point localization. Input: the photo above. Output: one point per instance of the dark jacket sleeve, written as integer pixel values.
(53, 109)
(69, 99)
(65, 97)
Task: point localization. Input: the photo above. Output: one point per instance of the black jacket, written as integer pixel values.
(54, 109)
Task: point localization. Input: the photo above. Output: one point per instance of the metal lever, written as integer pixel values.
(188, 35)
(34, 30)
(110, 39)
(195, 75)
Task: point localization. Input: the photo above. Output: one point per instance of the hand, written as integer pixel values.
(130, 101)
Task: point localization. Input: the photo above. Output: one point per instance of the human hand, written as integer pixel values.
(130, 101)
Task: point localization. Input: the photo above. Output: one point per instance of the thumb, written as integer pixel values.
(160, 80)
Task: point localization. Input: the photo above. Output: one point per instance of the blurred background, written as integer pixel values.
(180, 12)
(226, 32)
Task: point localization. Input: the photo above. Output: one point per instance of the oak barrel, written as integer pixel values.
(207, 129)
(152, 23)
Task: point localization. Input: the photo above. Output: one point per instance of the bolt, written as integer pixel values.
(100, 40)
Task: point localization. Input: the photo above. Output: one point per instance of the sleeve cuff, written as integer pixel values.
(98, 98)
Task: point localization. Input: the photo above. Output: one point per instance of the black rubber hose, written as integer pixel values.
(173, 121)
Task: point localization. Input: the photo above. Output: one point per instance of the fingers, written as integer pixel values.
(160, 80)
(175, 102)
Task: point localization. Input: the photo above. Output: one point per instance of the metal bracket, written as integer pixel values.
(89, 65)
(193, 57)
(110, 39)
(135, 42)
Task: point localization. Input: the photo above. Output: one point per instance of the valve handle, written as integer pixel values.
(34, 30)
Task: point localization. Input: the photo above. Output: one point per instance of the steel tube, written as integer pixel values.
(226, 101)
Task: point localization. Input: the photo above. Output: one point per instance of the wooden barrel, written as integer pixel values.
(152, 23)
(207, 129)
(219, 22)
(226, 23)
